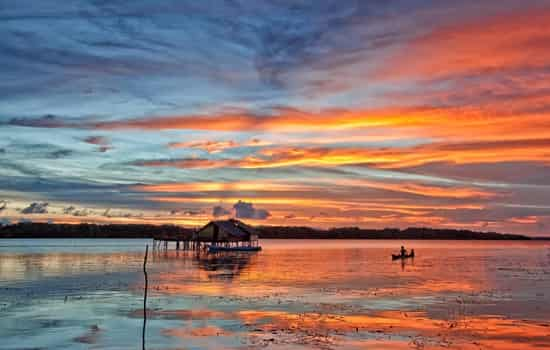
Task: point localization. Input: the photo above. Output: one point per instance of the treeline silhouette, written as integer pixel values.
(282, 232)
(43, 230)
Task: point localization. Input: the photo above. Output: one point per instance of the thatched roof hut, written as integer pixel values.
(226, 231)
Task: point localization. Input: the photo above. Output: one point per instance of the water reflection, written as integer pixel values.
(339, 273)
(331, 330)
(405, 262)
(325, 295)
(219, 266)
(226, 265)
(36, 266)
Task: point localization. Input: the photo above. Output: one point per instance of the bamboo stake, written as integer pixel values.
(144, 298)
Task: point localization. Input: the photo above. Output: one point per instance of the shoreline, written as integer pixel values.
(139, 231)
(527, 239)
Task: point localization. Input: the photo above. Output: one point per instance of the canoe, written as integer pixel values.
(399, 256)
(215, 249)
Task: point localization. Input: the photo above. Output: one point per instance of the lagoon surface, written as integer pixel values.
(295, 294)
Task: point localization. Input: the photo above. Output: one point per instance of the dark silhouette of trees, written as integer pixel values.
(386, 233)
(43, 230)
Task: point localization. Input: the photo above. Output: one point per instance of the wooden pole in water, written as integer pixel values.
(144, 298)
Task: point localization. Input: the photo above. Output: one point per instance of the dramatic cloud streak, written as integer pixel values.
(459, 153)
(319, 188)
(453, 123)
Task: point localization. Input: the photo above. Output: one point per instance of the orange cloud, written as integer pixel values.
(505, 42)
(524, 220)
(422, 190)
(283, 119)
(319, 187)
(536, 150)
(191, 163)
(209, 146)
(222, 186)
(217, 146)
(409, 209)
(449, 123)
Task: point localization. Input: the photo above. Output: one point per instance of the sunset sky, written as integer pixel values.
(330, 113)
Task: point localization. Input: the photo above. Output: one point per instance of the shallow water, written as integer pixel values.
(88, 294)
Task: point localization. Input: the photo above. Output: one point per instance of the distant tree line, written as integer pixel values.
(387, 233)
(43, 230)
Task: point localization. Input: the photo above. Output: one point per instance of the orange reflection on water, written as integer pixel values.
(206, 331)
(303, 294)
(341, 273)
(491, 332)
(381, 328)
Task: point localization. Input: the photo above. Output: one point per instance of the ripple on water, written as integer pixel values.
(311, 295)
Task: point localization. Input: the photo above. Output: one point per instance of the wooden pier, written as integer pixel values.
(179, 243)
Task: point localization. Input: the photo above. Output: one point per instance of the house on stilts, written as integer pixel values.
(229, 234)
(221, 235)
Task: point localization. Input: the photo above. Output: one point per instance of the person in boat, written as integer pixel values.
(403, 251)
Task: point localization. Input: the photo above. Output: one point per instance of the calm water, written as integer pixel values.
(88, 294)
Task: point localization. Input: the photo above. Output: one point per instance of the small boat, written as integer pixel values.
(215, 249)
(399, 256)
